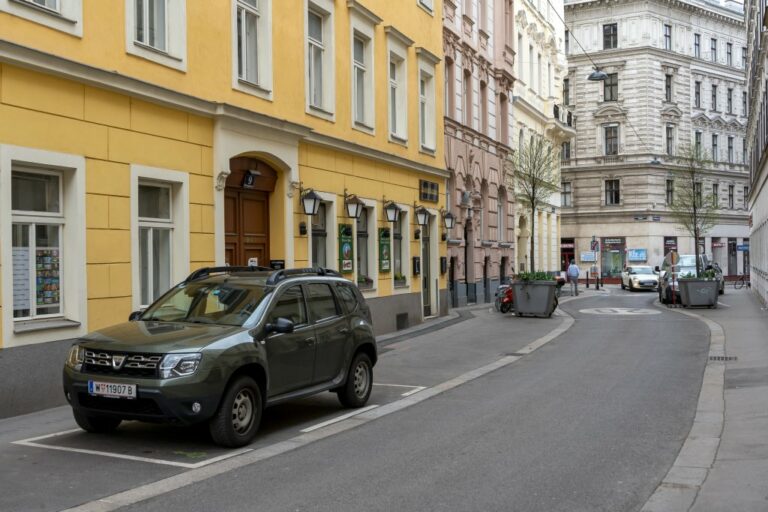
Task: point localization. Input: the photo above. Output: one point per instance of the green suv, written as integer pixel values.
(223, 345)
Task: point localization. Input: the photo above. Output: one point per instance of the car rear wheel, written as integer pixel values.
(357, 389)
(95, 424)
(237, 420)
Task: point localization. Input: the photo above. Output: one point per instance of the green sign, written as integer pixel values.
(346, 263)
(385, 254)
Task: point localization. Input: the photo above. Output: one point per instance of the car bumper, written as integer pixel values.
(166, 400)
(645, 285)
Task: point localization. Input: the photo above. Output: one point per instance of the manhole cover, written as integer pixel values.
(620, 311)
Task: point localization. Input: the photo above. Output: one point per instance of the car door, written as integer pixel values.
(291, 356)
(331, 331)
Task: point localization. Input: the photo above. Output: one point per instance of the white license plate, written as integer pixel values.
(111, 389)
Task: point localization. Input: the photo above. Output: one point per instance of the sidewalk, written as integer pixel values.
(723, 465)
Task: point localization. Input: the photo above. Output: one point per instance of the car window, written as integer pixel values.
(347, 294)
(291, 306)
(322, 305)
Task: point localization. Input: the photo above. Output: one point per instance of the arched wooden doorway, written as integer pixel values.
(246, 211)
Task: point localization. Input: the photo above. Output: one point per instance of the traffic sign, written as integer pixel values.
(672, 258)
(594, 246)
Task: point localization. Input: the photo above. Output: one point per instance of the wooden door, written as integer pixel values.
(246, 224)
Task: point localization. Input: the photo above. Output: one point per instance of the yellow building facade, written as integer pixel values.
(142, 140)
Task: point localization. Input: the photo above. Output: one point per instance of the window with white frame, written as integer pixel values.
(156, 30)
(320, 236)
(427, 123)
(360, 76)
(62, 15)
(252, 46)
(566, 197)
(155, 240)
(612, 192)
(398, 84)
(37, 223)
(427, 4)
(611, 139)
(48, 4)
(667, 37)
(670, 139)
(320, 70)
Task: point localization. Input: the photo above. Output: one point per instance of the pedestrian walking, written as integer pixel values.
(573, 277)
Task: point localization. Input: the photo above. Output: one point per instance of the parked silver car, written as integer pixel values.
(686, 265)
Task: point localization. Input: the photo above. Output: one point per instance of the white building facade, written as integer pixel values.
(479, 62)
(539, 111)
(757, 135)
(676, 78)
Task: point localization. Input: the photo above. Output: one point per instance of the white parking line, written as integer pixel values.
(187, 465)
(722, 304)
(415, 389)
(411, 392)
(338, 418)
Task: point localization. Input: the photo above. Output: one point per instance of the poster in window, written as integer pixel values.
(385, 252)
(21, 279)
(47, 280)
(346, 253)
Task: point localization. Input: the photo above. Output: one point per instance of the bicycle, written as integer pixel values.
(741, 281)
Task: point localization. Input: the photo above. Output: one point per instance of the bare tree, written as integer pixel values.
(694, 209)
(535, 166)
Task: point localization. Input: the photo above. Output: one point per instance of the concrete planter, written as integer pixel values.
(534, 298)
(699, 292)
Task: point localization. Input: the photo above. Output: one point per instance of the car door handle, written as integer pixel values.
(343, 330)
(309, 342)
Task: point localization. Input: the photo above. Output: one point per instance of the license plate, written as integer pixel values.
(111, 389)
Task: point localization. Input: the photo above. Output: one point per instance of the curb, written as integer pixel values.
(680, 487)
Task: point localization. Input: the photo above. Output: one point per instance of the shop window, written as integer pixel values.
(363, 247)
(155, 241)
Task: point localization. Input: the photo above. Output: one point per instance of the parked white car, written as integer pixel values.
(639, 277)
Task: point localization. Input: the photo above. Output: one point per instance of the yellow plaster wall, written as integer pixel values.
(112, 131)
(209, 69)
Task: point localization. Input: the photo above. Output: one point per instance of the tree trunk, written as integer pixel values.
(533, 240)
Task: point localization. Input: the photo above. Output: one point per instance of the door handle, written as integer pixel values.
(343, 330)
(309, 341)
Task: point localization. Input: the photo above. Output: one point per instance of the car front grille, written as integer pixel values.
(104, 362)
(143, 406)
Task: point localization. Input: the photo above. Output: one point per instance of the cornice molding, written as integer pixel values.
(399, 36)
(363, 11)
(732, 18)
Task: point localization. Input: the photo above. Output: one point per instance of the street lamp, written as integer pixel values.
(392, 211)
(310, 201)
(422, 215)
(597, 76)
(449, 220)
(353, 204)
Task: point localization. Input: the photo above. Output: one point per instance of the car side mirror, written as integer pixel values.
(656, 268)
(136, 315)
(281, 325)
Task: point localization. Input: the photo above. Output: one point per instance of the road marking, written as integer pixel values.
(619, 311)
(414, 389)
(722, 304)
(186, 465)
(338, 418)
(170, 484)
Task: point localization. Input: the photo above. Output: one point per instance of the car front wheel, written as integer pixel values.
(95, 424)
(357, 389)
(237, 420)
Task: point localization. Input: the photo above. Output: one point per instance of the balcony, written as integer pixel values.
(563, 123)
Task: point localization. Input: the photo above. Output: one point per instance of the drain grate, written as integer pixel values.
(723, 358)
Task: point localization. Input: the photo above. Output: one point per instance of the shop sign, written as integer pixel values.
(637, 254)
(569, 245)
(613, 241)
(742, 247)
(587, 256)
(345, 249)
(718, 244)
(385, 254)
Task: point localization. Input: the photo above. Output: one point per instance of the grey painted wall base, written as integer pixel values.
(386, 309)
(32, 377)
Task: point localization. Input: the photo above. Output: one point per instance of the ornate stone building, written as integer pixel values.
(479, 63)
(539, 111)
(676, 77)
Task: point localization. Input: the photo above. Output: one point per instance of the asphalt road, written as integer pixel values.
(589, 422)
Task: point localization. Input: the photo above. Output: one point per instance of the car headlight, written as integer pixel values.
(635, 279)
(179, 365)
(76, 357)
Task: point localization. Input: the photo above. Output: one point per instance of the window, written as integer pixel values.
(744, 103)
(744, 57)
(670, 139)
(697, 94)
(714, 98)
(612, 194)
(48, 4)
(247, 40)
(566, 197)
(697, 143)
(539, 82)
(64, 16)
(426, 4)
(610, 36)
(743, 151)
(670, 192)
(697, 45)
(321, 302)
(36, 230)
(566, 91)
(484, 107)
(427, 124)
(611, 137)
(697, 198)
(746, 198)
(504, 119)
(715, 152)
(155, 241)
(567, 42)
(363, 271)
(467, 95)
(520, 67)
(397, 246)
(713, 49)
(316, 51)
(398, 86)
(361, 89)
(156, 30)
(501, 215)
(668, 88)
(252, 35)
(730, 150)
(482, 15)
(715, 193)
(730, 197)
(290, 306)
(729, 102)
(320, 237)
(348, 296)
(450, 80)
(565, 151)
(667, 37)
(729, 54)
(611, 87)
(530, 67)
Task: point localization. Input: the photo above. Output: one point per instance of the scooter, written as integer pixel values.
(505, 299)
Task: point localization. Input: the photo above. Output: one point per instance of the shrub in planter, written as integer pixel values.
(701, 291)
(399, 279)
(534, 294)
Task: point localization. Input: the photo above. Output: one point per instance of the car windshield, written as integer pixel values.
(207, 303)
(687, 261)
(641, 270)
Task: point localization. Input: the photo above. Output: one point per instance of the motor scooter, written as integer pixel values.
(505, 298)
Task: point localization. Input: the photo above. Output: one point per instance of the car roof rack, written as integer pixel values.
(283, 274)
(207, 271)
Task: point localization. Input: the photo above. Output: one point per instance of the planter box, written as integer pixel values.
(699, 292)
(535, 298)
